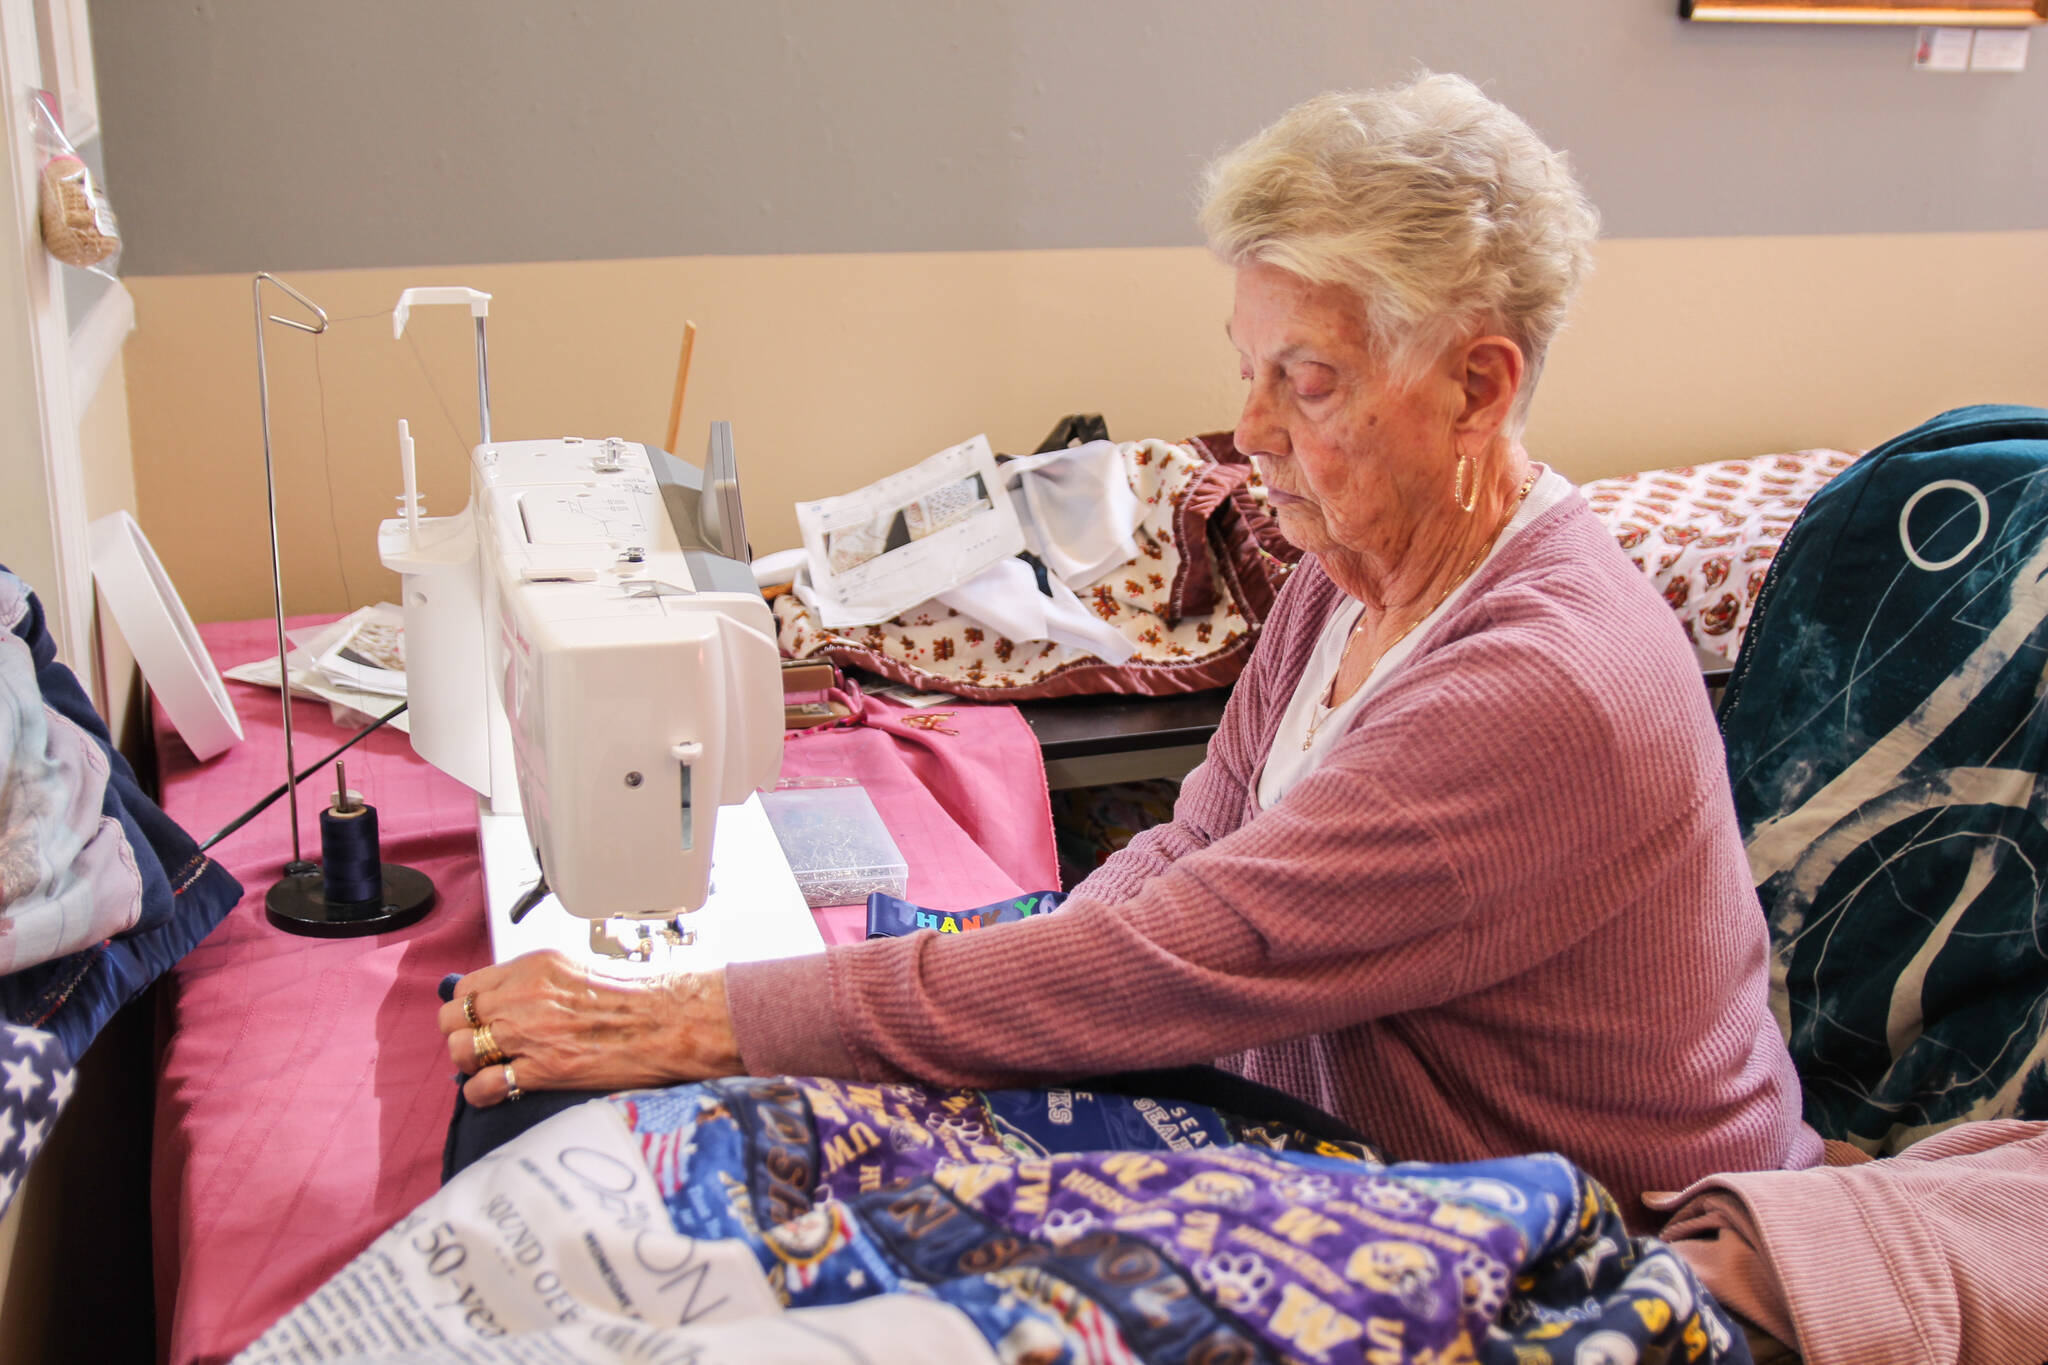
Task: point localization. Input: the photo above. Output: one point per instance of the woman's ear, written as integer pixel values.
(1492, 375)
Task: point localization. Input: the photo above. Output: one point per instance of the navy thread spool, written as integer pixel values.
(350, 861)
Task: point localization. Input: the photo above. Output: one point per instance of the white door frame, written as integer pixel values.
(42, 476)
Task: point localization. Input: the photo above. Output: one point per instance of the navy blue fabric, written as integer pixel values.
(184, 893)
(474, 1133)
(1885, 733)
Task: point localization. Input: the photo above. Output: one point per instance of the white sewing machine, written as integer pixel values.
(585, 646)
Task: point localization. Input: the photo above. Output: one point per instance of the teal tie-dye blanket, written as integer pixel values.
(1886, 737)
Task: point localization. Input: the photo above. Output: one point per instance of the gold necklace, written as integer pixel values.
(1322, 712)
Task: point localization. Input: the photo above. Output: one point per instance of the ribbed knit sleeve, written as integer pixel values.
(783, 1018)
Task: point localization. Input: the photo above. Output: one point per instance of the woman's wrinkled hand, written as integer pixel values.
(563, 1026)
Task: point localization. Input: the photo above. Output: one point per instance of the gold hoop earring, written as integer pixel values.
(1466, 499)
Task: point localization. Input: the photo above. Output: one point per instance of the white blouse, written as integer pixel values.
(1288, 761)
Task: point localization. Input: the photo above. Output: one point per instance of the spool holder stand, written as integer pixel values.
(300, 901)
(353, 891)
(297, 903)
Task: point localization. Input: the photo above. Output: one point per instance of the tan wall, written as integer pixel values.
(1706, 349)
(837, 369)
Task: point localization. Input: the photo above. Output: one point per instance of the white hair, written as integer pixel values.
(1440, 208)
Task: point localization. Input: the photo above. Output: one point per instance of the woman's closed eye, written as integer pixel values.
(1312, 382)
(1308, 382)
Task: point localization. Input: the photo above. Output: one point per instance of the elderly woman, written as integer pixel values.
(1461, 866)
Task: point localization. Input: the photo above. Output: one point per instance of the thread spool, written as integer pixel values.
(349, 855)
(353, 892)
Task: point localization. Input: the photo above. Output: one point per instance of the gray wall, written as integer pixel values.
(305, 134)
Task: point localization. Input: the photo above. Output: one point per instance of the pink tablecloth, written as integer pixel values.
(304, 1093)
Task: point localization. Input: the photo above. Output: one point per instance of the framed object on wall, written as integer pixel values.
(1956, 14)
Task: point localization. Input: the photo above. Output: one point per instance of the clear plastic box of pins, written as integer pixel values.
(835, 840)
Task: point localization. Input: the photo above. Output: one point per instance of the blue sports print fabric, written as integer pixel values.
(1886, 735)
(1198, 1236)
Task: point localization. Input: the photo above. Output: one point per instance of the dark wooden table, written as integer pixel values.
(1088, 741)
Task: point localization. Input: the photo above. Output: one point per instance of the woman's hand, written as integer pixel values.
(564, 1026)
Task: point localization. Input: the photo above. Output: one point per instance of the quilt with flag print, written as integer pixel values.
(36, 1079)
(789, 1219)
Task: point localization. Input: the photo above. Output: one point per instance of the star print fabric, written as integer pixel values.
(1108, 1227)
(36, 1079)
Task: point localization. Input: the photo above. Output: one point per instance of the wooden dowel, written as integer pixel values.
(675, 411)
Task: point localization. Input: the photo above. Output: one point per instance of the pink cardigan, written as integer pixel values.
(1510, 912)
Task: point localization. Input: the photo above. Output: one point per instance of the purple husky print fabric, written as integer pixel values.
(1078, 1227)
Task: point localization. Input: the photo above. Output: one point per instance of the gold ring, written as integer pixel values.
(469, 1010)
(488, 1053)
(512, 1090)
